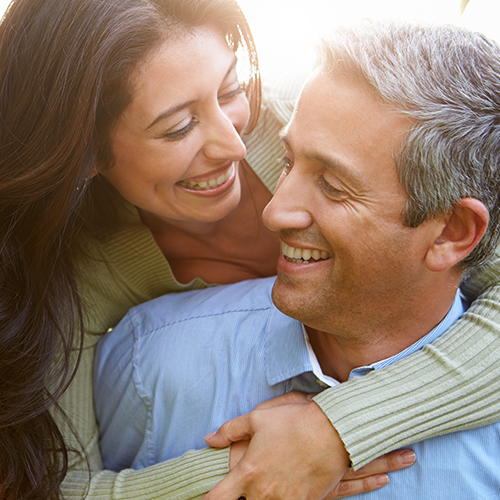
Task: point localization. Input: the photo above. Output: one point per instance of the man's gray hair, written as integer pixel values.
(447, 79)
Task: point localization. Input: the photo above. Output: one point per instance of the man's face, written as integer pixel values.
(338, 208)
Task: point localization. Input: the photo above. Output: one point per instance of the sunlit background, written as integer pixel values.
(286, 30)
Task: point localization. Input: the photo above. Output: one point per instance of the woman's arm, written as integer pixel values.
(184, 478)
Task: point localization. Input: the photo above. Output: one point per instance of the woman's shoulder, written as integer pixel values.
(264, 147)
(280, 92)
(121, 271)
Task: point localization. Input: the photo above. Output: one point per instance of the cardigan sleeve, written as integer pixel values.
(449, 385)
(184, 478)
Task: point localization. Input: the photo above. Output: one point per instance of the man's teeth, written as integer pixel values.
(208, 184)
(298, 256)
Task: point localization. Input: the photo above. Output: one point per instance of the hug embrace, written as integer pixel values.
(136, 164)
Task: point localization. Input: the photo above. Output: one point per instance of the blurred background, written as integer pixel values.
(286, 30)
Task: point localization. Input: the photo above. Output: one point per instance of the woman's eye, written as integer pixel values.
(179, 134)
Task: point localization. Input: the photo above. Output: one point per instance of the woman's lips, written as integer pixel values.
(209, 183)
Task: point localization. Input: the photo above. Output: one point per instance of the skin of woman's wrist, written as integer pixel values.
(238, 449)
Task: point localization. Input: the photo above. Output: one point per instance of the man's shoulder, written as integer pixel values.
(179, 322)
(172, 310)
(251, 295)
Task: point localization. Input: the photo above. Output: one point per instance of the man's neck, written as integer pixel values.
(339, 353)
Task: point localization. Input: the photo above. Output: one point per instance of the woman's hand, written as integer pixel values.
(372, 476)
(287, 449)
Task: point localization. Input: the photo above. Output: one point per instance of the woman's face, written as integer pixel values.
(177, 145)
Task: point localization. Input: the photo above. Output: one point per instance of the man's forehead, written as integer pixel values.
(327, 96)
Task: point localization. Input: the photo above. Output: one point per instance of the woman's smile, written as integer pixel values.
(212, 184)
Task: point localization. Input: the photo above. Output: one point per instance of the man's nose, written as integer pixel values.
(289, 208)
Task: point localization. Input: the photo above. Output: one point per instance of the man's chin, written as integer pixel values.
(287, 297)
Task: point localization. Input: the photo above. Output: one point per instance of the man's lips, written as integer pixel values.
(302, 256)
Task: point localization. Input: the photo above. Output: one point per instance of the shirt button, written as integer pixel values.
(321, 383)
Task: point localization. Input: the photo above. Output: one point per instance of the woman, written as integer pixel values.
(80, 246)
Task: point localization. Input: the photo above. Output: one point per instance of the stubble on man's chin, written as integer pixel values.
(311, 308)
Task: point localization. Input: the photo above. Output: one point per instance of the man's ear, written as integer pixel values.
(463, 228)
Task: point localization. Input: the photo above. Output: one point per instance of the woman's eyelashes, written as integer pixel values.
(181, 133)
(232, 94)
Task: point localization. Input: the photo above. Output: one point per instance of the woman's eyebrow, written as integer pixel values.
(174, 109)
(169, 112)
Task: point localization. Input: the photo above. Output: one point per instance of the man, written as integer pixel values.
(389, 195)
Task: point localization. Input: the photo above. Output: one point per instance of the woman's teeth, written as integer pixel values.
(212, 183)
(298, 256)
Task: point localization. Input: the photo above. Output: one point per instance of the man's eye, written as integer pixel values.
(329, 189)
(287, 164)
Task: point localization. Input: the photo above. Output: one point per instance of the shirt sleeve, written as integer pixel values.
(122, 410)
(451, 384)
(188, 477)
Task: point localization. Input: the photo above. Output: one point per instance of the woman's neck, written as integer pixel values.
(232, 249)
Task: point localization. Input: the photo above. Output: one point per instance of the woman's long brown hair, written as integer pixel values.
(65, 69)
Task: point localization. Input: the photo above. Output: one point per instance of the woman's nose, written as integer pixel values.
(224, 140)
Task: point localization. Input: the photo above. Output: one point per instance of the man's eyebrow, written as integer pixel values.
(335, 166)
(174, 109)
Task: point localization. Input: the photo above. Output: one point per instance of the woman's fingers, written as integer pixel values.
(287, 449)
(356, 486)
(294, 453)
(395, 460)
(237, 429)
(372, 476)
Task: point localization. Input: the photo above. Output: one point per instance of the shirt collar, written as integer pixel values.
(289, 354)
(285, 348)
(457, 309)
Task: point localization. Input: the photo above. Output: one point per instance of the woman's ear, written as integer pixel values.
(464, 227)
(93, 172)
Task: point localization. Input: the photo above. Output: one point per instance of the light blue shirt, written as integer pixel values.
(178, 367)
